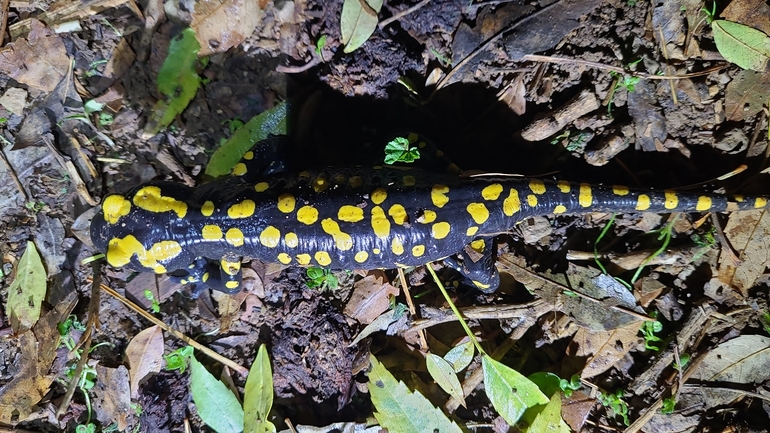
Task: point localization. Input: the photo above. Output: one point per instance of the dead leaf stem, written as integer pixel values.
(402, 14)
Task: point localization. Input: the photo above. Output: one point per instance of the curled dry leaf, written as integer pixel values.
(40, 61)
(220, 26)
(145, 356)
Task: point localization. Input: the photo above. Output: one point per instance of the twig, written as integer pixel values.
(298, 69)
(13, 174)
(401, 14)
(597, 65)
(205, 350)
(3, 19)
(412, 309)
(494, 38)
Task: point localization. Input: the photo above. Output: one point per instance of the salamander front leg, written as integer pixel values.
(477, 264)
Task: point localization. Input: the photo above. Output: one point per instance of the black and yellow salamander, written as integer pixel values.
(352, 218)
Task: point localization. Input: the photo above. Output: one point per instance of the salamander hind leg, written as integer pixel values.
(223, 275)
(477, 264)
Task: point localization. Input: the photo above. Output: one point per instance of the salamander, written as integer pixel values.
(348, 218)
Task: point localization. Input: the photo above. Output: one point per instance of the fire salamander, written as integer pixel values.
(353, 218)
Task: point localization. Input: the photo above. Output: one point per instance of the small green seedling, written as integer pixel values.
(322, 278)
(766, 321)
(648, 330)
(627, 82)
(614, 402)
(234, 124)
(87, 428)
(178, 359)
(705, 241)
(710, 14)
(155, 306)
(399, 150)
(92, 68)
(568, 386)
(668, 405)
(320, 44)
(684, 359)
(441, 58)
(65, 330)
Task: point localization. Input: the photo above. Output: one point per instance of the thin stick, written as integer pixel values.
(597, 65)
(401, 14)
(412, 309)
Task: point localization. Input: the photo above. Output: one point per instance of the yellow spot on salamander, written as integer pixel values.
(376, 250)
(243, 209)
(115, 207)
(291, 240)
(512, 204)
(438, 195)
(738, 198)
(704, 203)
(427, 217)
(270, 237)
(492, 192)
(478, 245)
(398, 213)
(286, 203)
(239, 169)
(361, 256)
(284, 258)
(248, 156)
(307, 215)
(760, 202)
(478, 212)
(343, 240)
(532, 200)
(205, 277)
(672, 201)
(380, 223)
(440, 230)
(585, 196)
(303, 259)
(564, 186)
(408, 180)
(234, 237)
(559, 209)
(412, 137)
(397, 247)
(151, 199)
(480, 285)
(232, 284)
(642, 202)
(355, 181)
(208, 208)
(261, 187)
(120, 251)
(230, 268)
(350, 214)
(379, 195)
(471, 231)
(537, 186)
(418, 250)
(620, 190)
(211, 232)
(323, 259)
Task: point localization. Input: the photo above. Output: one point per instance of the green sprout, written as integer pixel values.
(649, 329)
(177, 360)
(399, 150)
(614, 402)
(155, 306)
(322, 278)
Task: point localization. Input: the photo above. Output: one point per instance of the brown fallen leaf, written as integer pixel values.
(40, 61)
(748, 233)
(746, 94)
(111, 396)
(607, 347)
(145, 356)
(370, 298)
(221, 25)
(752, 13)
(744, 359)
(649, 122)
(19, 397)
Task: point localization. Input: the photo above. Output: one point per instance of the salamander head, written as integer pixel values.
(132, 229)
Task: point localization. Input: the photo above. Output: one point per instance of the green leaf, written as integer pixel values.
(264, 124)
(460, 356)
(258, 395)
(510, 392)
(93, 106)
(358, 22)
(549, 383)
(26, 293)
(178, 81)
(217, 405)
(445, 376)
(400, 410)
(747, 47)
(549, 420)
